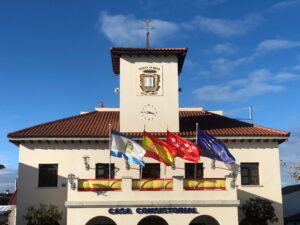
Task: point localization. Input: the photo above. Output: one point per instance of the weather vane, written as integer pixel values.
(148, 28)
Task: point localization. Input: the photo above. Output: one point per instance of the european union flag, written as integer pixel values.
(214, 148)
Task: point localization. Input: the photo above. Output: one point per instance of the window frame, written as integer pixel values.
(250, 167)
(48, 183)
(199, 170)
(106, 176)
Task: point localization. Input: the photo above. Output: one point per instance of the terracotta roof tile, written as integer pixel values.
(116, 53)
(95, 124)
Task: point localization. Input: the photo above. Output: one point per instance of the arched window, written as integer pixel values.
(150, 220)
(101, 220)
(204, 220)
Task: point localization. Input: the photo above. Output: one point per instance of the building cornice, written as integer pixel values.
(223, 138)
(158, 203)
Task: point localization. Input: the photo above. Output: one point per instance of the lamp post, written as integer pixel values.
(71, 179)
(86, 160)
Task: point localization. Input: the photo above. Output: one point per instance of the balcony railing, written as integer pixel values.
(150, 184)
(205, 184)
(99, 184)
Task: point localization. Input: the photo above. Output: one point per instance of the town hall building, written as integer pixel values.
(67, 162)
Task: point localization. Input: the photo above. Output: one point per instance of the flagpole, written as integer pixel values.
(109, 169)
(141, 168)
(195, 165)
(173, 156)
(165, 178)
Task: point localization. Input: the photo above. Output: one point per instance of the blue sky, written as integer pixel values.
(55, 62)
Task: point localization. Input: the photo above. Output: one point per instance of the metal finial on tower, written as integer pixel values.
(148, 28)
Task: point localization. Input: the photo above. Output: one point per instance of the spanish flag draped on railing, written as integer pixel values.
(158, 149)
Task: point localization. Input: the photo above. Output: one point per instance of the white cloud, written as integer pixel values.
(126, 30)
(225, 48)
(223, 66)
(285, 4)
(297, 66)
(285, 76)
(257, 83)
(225, 27)
(276, 44)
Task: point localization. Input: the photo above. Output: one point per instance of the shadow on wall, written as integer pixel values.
(243, 196)
(31, 194)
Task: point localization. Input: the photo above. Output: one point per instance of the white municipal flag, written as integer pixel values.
(123, 146)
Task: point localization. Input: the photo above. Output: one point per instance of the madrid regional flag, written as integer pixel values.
(185, 149)
(158, 149)
(123, 146)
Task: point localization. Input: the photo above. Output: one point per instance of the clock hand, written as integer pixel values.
(147, 112)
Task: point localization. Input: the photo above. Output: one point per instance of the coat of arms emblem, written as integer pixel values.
(149, 81)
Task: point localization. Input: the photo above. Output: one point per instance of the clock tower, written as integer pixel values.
(148, 87)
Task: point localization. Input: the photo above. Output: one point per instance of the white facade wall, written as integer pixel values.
(69, 157)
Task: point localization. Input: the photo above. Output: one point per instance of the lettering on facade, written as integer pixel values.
(160, 210)
(115, 211)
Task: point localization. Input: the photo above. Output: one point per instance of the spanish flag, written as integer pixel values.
(158, 149)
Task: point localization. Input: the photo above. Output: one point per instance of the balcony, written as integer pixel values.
(99, 184)
(205, 184)
(159, 191)
(152, 184)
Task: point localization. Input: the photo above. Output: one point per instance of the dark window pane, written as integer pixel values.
(48, 175)
(245, 180)
(244, 172)
(190, 170)
(151, 170)
(102, 170)
(250, 173)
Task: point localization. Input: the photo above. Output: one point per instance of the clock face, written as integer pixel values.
(149, 112)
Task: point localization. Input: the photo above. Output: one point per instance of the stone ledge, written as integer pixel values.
(173, 203)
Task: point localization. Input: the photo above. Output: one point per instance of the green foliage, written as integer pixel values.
(43, 215)
(258, 211)
(293, 169)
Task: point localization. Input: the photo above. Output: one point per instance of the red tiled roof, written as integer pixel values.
(116, 53)
(95, 124)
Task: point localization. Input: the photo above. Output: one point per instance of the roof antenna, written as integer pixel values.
(148, 28)
(250, 119)
(251, 114)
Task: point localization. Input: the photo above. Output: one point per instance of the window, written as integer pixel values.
(189, 169)
(48, 175)
(249, 174)
(102, 170)
(151, 170)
